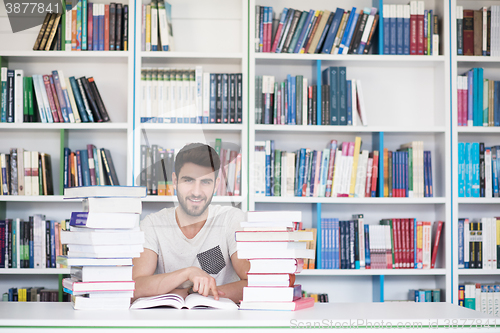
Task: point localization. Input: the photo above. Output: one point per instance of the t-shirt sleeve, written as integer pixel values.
(235, 217)
(150, 237)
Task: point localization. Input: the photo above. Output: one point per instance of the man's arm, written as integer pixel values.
(234, 290)
(149, 284)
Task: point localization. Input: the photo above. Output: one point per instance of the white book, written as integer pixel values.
(275, 266)
(496, 300)
(484, 299)
(361, 175)
(17, 221)
(102, 238)
(186, 95)
(490, 300)
(283, 174)
(435, 44)
(361, 104)
(348, 163)
(198, 74)
(154, 26)
(270, 246)
(192, 301)
(193, 97)
(87, 303)
(106, 294)
(272, 236)
(277, 216)
(104, 220)
(149, 94)
(162, 23)
(485, 30)
(38, 235)
(167, 96)
(486, 240)
(355, 117)
(105, 191)
(154, 95)
(268, 294)
(290, 182)
(267, 224)
(28, 189)
(38, 96)
(259, 182)
(71, 111)
(75, 285)
(337, 173)
(95, 255)
(269, 280)
(81, 261)
(361, 237)
(144, 94)
(478, 298)
(493, 241)
(100, 166)
(369, 23)
(101, 273)
(45, 99)
(466, 242)
(112, 205)
(105, 249)
(76, 114)
(369, 173)
(160, 97)
(206, 98)
(67, 37)
(18, 95)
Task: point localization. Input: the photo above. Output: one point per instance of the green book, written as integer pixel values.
(436, 295)
(25, 99)
(63, 26)
(218, 144)
(31, 107)
(485, 102)
(410, 170)
(275, 113)
(40, 177)
(298, 30)
(277, 172)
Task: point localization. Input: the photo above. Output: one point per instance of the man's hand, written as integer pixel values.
(203, 283)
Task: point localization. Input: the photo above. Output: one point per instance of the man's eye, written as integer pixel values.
(207, 182)
(188, 180)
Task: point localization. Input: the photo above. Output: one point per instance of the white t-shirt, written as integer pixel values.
(210, 249)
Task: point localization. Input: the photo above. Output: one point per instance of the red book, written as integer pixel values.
(56, 100)
(269, 29)
(90, 26)
(106, 27)
(437, 236)
(375, 173)
(396, 243)
(408, 242)
(301, 303)
(413, 28)
(412, 243)
(264, 30)
(90, 153)
(277, 37)
(468, 32)
(420, 28)
(50, 96)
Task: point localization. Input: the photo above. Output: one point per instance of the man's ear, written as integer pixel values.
(174, 180)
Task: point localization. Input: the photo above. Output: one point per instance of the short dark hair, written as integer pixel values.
(199, 154)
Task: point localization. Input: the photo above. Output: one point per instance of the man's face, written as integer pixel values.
(195, 187)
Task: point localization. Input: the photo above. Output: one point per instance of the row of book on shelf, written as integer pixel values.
(315, 31)
(342, 170)
(102, 239)
(191, 96)
(32, 294)
(482, 297)
(424, 295)
(479, 243)
(478, 170)
(85, 26)
(88, 167)
(31, 244)
(478, 99)
(24, 172)
(156, 27)
(402, 243)
(49, 98)
(158, 164)
(294, 102)
(478, 31)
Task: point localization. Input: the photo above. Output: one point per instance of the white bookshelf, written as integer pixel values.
(480, 272)
(373, 272)
(33, 271)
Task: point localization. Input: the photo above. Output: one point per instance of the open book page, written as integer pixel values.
(197, 301)
(193, 301)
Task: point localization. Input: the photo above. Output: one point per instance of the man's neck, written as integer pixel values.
(190, 225)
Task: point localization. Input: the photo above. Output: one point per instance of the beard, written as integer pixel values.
(196, 210)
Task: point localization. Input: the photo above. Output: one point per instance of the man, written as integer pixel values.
(192, 247)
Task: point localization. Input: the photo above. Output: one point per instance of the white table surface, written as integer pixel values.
(360, 316)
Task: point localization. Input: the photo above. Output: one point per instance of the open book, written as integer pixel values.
(193, 301)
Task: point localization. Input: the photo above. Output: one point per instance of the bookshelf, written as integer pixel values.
(472, 208)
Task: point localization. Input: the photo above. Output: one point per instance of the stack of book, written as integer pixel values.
(85, 26)
(478, 99)
(294, 102)
(478, 31)
(102, 241)
(25, 172)
(479, 243)
(484, 298)
(50, 98)
(191, 96)
(156, 28)
(275, 253)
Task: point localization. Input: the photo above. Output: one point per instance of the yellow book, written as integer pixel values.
(354, 173)
(386, 173)
(498, 244)
(340, 33)
(148, 28)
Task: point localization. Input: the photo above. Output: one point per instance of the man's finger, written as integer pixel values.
(215, 292)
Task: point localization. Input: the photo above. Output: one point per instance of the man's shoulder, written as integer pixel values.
(227, 212)
(158, 217)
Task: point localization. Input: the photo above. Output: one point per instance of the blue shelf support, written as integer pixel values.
(378, 288)
(317, 219)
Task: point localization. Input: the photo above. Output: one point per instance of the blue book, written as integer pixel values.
(494, 168)
(415, 243)
(350, 34)
(332, 32)
(300, 172)
(385, 17)
(497, 166)
(95, 29)
(225, 96)
(468, 171)
(78, 100)
(399, 33)
(394, 174)
(461, 243)
(406, 173)
(349, 102)
(479, 98)
(84, 25)
(431, 33)
(263, 16)
(327, 245)
(31, 256)
(212, 98)
(320, 264)
(52, 244)
(496, 115)
(461, 169)
(299, 28)
(284, 31)
(349, 29)
(324, 33)
(342, 95)
(406, 35)
(66, 167)
(314, 155)
(426, 31)
(333, 232)
(283, 19)
(84, 160)
(330, 77)
(393, 33)
(268, 168)
(367, 246)
(305, 29)
(475, 170)
(426, 174)
(54, 80)
(470, 97)
(101, 31)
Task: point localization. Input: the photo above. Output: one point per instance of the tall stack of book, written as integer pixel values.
(484, 298)
(276, 254)
(102, 241)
